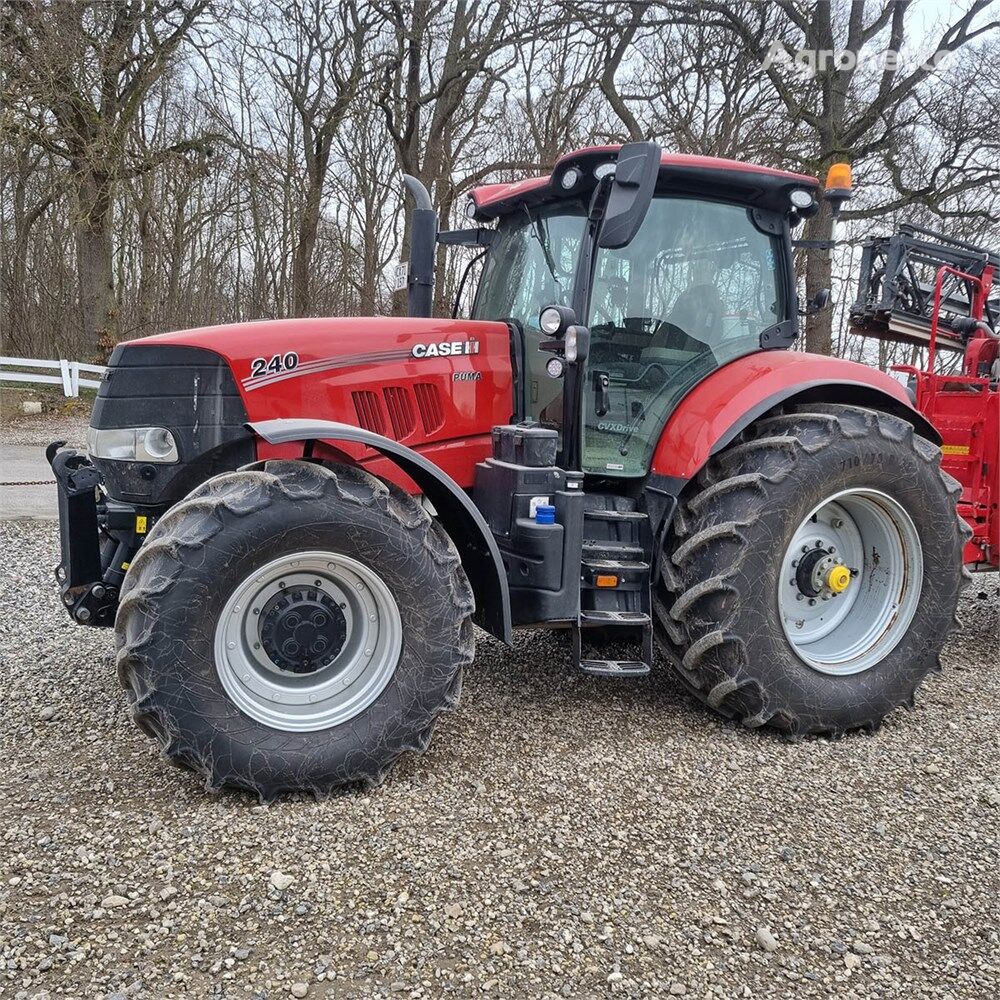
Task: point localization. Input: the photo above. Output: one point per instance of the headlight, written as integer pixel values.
(801, 198)
(570, 346)
(132, 444)
(603, 169)
(570, 178)
(470, 208)
(550, 320)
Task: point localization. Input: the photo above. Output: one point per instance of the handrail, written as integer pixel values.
(982, 284)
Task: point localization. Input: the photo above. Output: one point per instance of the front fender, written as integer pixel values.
(458, 514)
(717, 409)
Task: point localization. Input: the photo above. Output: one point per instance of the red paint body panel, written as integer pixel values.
(966, 412)
(488, 193)
(362, 372)
(723, 400)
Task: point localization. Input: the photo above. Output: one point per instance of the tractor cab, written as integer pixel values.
(626, 277)
(675, 265)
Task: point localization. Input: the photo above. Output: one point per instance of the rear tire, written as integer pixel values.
(724, 603)
(207, 649)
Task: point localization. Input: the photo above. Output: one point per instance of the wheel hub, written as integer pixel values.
(850, 581)
(302, 629)
(820, 573)
(308, 640)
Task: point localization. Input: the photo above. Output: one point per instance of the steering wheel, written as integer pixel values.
(607, 351)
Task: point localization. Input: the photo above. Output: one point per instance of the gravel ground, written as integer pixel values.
(562, 837)
(46, 427)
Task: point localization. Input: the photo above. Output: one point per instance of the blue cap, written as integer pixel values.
(545, 514)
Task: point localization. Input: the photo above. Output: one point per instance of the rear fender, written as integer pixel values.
(458, 515)
(712, 414)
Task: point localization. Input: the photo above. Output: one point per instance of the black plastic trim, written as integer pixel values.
(190, 391)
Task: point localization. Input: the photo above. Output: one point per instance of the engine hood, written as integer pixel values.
(435, 385)
(334, 344)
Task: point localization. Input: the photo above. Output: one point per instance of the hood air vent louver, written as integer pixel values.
(397, 402)
(369, 411)
(429, 405)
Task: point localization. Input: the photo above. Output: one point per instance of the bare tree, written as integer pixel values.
(76, 81)
(315, 53)
(845, 110)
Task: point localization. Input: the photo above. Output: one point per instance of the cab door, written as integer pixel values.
(693, 290)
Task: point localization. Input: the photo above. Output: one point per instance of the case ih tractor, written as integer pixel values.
(294, 524)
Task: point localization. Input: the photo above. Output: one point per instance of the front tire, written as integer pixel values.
(293, 627)
(810, 580)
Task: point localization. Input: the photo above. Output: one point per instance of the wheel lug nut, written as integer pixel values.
(812, 601)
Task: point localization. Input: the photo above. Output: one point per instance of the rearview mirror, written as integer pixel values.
(818, 302)
(636, 170)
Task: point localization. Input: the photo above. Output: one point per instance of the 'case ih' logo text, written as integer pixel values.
(447, 349)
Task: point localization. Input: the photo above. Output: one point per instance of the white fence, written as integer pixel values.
(68, 377)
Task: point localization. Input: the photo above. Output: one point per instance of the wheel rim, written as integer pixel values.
(850, 582)
(308, 641)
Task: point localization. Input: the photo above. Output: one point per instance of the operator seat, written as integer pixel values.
(693, 323)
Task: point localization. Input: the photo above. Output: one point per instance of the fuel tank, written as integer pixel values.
(436, 385)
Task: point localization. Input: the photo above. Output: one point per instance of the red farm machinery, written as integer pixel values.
(921, 288)
(293, 525)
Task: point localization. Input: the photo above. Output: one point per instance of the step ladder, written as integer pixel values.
(614, 586)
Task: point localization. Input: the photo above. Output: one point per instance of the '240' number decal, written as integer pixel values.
(279, 363)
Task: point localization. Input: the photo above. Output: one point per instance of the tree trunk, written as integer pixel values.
(94, 265)
(148, 277)
(369, 276)
(303, 253)
(819, 274)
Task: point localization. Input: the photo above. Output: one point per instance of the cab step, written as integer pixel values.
(619, 565)
(614, 515)
(617, 669)
(612, 549)
(614, 611)
(596, 619)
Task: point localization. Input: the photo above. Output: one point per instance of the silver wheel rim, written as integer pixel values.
(339, 690)
(849, 632)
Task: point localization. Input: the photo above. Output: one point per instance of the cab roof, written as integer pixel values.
(680, 172)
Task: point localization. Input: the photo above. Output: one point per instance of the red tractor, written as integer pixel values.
(294, 524)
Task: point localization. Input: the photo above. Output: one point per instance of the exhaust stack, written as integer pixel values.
(423, 244)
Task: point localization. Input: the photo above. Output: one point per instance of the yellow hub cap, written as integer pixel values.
(838, 579)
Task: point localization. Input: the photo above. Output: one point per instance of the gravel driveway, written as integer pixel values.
(562, 837)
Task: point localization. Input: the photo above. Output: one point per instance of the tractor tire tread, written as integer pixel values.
(709, 659)
(192, 523)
